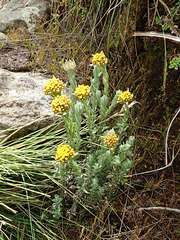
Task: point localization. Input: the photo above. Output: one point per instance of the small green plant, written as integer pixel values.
(175, 63)
(57, 206)
(94, 157)
(165, 26)
(177, 232)
(55, 21)
(175, 11)
(169, 22)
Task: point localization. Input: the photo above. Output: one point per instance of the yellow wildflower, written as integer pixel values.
(82, 91)
(99, 59)
(69, 65)
(53, 85)
(125, 96)
(60, 103)
(64, 152)
(110, 139)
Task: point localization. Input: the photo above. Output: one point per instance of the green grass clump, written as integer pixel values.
(26, 185)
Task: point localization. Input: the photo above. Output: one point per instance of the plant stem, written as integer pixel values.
(105, 80)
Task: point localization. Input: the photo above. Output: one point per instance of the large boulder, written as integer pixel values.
(22, 102)
(24, 13)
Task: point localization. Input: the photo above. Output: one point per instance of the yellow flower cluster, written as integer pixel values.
(60, 103)
(82, 91)
(64, 152)
(125, 96)
(110, 139)
(53, 85)
(99, 59)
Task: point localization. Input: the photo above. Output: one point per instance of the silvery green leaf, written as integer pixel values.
(116, 160)
(113, 103)
(104, 100)
(131, 140)
(103, 106)
(98, 95)
(124, 147)
(126, 165)
(79, 107)
(99, 74)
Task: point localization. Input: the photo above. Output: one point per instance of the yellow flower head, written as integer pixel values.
(99, 59)
(69, 65)
(82, 91)
(110, 139)
(60, 103)
(64, 152)
(125, 96)
(53, 85)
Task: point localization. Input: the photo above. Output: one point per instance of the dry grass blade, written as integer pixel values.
(8, 208)
(156, 34)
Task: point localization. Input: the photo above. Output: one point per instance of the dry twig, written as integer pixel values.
(160, 208)
(159, 35)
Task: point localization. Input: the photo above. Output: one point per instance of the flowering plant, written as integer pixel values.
(53, 86)
(60, 104)
(82, 91)
(64, 152)
(95, 158)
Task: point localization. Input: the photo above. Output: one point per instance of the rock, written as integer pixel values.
(2, 3)
(24, 13)
(14, 58)
(3, 37)
(22, 102)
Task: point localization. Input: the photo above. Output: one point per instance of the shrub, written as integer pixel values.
(94, 158)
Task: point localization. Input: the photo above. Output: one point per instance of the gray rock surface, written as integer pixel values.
(24, 13)
(14, 58)
(3, 3)
(22, 101)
